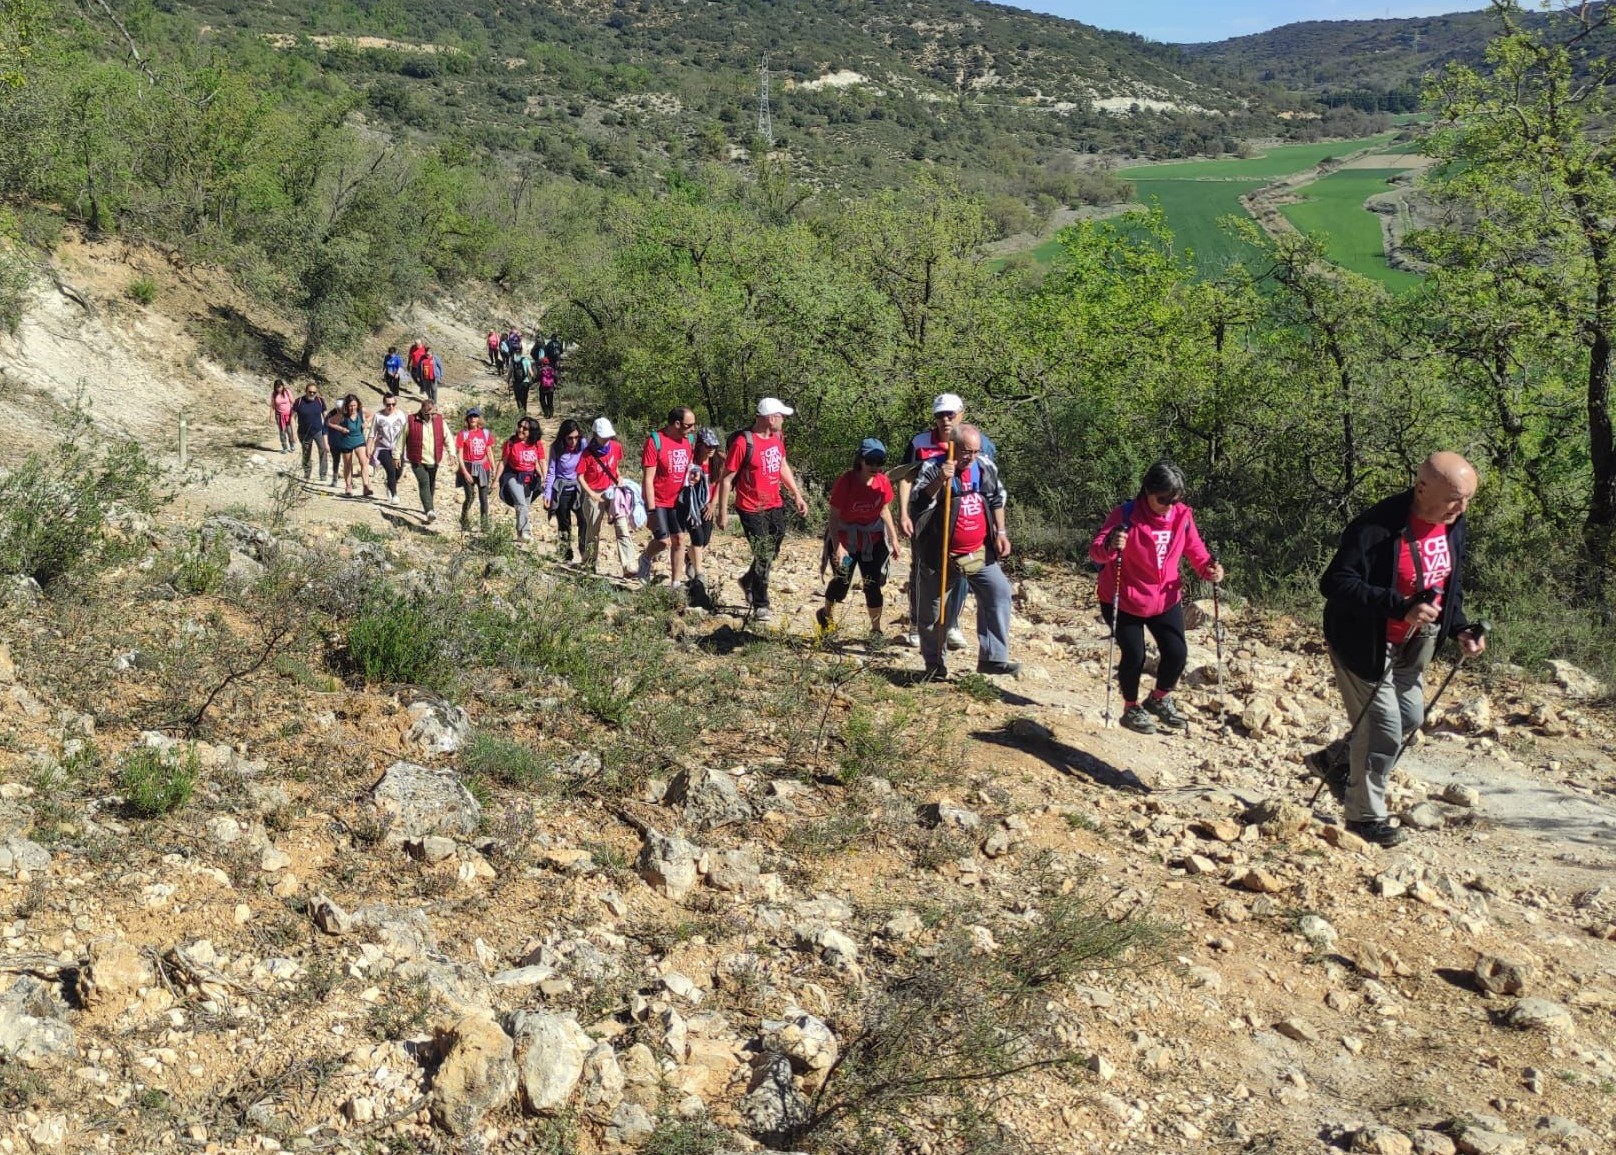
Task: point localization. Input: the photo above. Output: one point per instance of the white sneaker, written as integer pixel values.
(431, 516)
(912, 641)
(762, 614)
(392, 499)
(956, 640)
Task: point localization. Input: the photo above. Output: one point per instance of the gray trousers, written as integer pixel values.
(992, 590)
(1396, 708)
(516, 493)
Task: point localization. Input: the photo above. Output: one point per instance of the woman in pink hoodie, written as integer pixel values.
(1142, 542)
(280, 404)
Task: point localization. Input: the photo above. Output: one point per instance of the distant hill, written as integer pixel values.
(1369, 64)
(861, 90)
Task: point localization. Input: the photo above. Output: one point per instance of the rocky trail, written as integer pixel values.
(336, 944)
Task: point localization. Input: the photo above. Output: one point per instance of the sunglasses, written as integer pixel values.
(876, 461)
(1166, 498)
(948, 413)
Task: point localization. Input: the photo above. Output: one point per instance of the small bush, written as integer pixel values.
(396, 640)
(505, 762)
(141, 290)
(155, 784)
(684, 1137)
(198, 566)
(16, 278)
(55, 502)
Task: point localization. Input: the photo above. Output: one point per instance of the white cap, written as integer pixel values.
(603, 429)
(772, 406)
(948, 403)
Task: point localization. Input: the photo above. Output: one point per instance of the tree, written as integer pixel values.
(1525, 149)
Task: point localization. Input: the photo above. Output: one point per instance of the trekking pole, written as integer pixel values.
(1217, 638)
(1422, 596)
(942, 589)
(1116, 609)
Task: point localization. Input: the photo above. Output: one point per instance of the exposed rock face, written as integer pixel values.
(478, 1073)
(668, 864)
(421, 800)
(553, 1049)
(33, 1025)
(709, 798)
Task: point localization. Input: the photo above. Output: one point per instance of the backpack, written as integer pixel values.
(729, 443)
(547, 376)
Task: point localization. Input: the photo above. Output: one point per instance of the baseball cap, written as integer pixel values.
(603, 429)
(872, 447)
(773, 406)
(948, 403)
(474, 412)
(708, 436)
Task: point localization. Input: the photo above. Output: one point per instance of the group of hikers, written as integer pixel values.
(1392, 590)
(539, 366)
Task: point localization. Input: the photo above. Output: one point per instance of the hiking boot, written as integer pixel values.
(934, 673)
(762, 614)
(1333, 765)
(956, 640)
(1139, 719)
(643, 570)
(431, 516)
(1166, 713)
(1379, 831)
(745, 582)
(822, 619)
(986, 667)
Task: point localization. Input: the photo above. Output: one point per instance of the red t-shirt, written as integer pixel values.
(858, 503)
(522, 457)
(970, 515)
(757, 487)
(672, 464)
(1436, 563)
(472, 445)
(600, 471)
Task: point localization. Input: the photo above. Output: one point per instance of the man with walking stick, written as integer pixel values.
(962, 545)
(1392, 594)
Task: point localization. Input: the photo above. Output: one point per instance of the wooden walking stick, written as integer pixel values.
(948, 524)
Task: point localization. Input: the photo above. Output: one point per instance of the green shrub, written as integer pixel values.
(154, 783)
(198, 566)
(503, 761)
(684, 1137)
(141, 290)
(15, 279)
(55, 503)
(395, 639)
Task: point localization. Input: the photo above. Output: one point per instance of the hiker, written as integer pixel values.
(474, 446)
(345, 431)
(860, 533)
(562, 495)
(552, 350)
(695, 508)
(280, 404)
(413, 361)
(431, 373)
(977, 542)
(392, 371)
(755, 468)
(1392, 594)
(931, 444)
(518, 474)
(666, 462)
(1144, 538)
(385, 429)
(521, 380)
(309, 410)
(494, 359)
(599, 473)
(426, 444)
(547, 386)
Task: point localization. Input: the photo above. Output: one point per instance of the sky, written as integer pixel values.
(1191, 21)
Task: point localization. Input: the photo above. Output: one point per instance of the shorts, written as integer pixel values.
(699, 534)
(664, 523)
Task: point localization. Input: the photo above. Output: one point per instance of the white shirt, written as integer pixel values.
(387, 428)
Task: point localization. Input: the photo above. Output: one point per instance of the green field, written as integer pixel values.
(1277, 162)
(1333, 206)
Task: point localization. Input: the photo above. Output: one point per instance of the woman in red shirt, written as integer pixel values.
(519, 474)
(860, 533)
(474, 445)
(600, 471)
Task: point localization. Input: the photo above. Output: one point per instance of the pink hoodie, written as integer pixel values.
(1150, 557)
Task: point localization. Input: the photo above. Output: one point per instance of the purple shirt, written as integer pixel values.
(563, 468)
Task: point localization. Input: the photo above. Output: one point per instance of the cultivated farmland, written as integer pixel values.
(1333, 206)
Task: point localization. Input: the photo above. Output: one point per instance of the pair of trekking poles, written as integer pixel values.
(1475, 629)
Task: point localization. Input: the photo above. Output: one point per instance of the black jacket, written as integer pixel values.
(923, 510)
(1360, 586)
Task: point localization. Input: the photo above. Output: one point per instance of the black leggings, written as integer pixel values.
(569, 502)
(520, 389)
(547, 401)
(874, 569)
(1167, 628)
